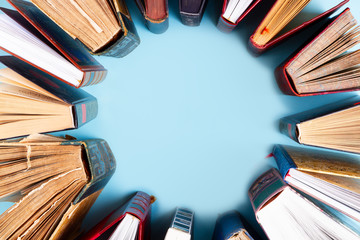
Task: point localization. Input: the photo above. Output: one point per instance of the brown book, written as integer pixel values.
(325, 64)
(53, 182)
(156, 14)
(103, 26)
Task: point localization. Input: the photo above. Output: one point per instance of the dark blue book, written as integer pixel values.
(231, 226)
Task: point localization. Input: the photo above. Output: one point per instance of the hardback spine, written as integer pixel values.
(225, 26)
(265, 187)
(283, 160)
(284, 81)
(129, 39)
(227, 225)
(101, 165)
(85, 110)
(191, 19)
(158, 26)
(288, 127)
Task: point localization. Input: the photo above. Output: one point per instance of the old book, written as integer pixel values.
(181, 226)
(277, 26)
(191, 11)
(103, 26)
(131, 221)
(232, 226)
(34, 102)
(233, 12)
(335, 126)
(285, 214)
(53, 182)
(34, 38)
(325, 65)
(329, 177)
(155, 13)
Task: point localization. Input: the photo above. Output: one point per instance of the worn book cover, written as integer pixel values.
(191, 11)
(155, 13)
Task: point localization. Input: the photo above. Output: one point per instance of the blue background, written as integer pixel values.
(191, 115)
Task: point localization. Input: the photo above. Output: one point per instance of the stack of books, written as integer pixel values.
(315, 194)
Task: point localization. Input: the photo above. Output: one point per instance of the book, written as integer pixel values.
(36, 102)
(231, 226)
(284, 213)
(335, 126)
(191, 11)
(131, 221)
(31, 36)
(325, 64)
(181, 226)
(329, 177)
(233, 12)
(105, 27)
(53, 182)
(155, 13)
(274, 28)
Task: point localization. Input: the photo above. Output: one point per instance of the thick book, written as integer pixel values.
(155, 13)
(329, 177)
(231, 226)
(181, 226)
(53, 182)
(233, 12)
(325, 65)
(131, 221)
(31, 36)
(191, 11)
(36, 102)
(285, 214)
(335, 126)
(105, 27)
(273, 29)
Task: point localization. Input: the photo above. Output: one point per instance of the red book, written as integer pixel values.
(294, 79)
(260, 48)
(226, 25)
(139, 206)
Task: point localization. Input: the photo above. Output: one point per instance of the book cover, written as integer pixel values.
(284, 80)
(72, 50)
(84, 106)
(191, 11)
(182, 225)
(138, 206)
(259, 49)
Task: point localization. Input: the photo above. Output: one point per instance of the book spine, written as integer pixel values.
(191, 19)
(157, 27)
(85, 111)
(183, 220)
(101, 164)
(284, 81)
(283, 160)
(225, 26)
(227, 225)
(264, 188)
(125, 44)
(288, 127)
(92, 77)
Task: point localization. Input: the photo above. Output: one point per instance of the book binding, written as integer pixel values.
(192, 18)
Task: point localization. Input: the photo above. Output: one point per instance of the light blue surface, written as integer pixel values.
(190, 116)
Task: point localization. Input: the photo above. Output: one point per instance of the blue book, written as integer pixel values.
(230, 226)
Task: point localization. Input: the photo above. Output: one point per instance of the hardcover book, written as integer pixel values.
(230, 226)
(105, 27)
(191, 11)
(53, 182)
(335, 126)
(31, 36)
(325, 64)
(131, 221)
(273, 29)
(182, 225)
(285, 214)
(233, 12)
(331, 178)
(33, 101)
(155, 13)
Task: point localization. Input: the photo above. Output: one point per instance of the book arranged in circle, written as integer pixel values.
(53, 182)
(181, 226)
